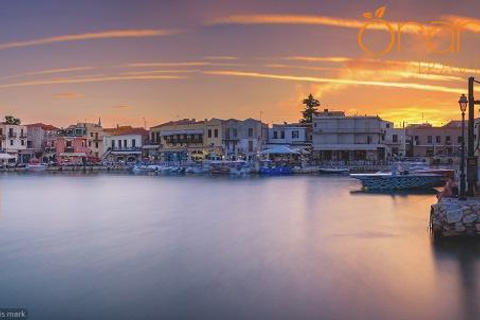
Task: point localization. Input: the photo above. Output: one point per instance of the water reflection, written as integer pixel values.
(404, 193)
(463, 255)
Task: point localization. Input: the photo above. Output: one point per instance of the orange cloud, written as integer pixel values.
(400, 85)
(167, 64)
(68, 95)
(91, 36)
(258, 19)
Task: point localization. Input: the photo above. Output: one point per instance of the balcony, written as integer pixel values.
(12, 135)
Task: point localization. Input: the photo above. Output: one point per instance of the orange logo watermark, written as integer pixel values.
(396, 30)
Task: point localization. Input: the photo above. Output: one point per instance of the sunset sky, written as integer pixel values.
(65, 61)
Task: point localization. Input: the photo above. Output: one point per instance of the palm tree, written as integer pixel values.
(310, 110)
(12, 120)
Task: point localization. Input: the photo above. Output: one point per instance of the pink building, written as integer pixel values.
(72, 150)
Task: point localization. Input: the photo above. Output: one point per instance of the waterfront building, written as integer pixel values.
(14, 141)
(338, 137)
(396, 141)
(123, 143)
(94, 134)
(41, 141)
(213, 147)
(179, 140)
(441, 143)
(292, 135)
(243, 139)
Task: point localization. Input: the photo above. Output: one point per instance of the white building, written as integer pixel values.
(337, 137)
(295, 135)
(123, 143)
(13, 140)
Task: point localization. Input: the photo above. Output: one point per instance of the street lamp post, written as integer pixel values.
(463, 102)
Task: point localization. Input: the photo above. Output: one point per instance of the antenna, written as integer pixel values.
(144, 123)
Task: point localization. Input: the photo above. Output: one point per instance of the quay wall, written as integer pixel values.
(71, 168)
(451, 217)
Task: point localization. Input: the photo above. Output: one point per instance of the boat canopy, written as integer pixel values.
(280, 150)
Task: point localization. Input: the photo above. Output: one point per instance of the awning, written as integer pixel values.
(280, 150)
(6, 156)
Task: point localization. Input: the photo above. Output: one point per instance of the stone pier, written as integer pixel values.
(451, 217)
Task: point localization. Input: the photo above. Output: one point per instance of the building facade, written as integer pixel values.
(295, 135)
(243, 139)
(337, 137)
(14, 141)
(427, 141)
(41, 140)
(124, 143)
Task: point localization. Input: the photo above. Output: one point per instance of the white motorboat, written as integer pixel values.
(334, 170)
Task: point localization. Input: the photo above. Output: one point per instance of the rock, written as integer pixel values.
(470, 218)
(460, 228)
(454, 216)
(477, 226)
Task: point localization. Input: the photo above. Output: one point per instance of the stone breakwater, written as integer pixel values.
(451, 217)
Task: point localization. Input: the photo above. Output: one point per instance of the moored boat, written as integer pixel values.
(36, 166)
(389, 181)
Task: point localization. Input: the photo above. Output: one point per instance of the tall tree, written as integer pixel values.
(311, 107)
(12, 120)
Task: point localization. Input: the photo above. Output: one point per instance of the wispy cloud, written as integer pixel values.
(401, 85)
(282, 19)
(111, 34)
(221, 58)
(70, 95)
(89, 80)
(167, 64)
(63, 70)
(146, 72)
(121, 107)
(318, 59)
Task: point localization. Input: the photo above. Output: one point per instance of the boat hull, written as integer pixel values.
(399, 182)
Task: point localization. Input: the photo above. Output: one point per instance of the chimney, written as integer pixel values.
(325, 110)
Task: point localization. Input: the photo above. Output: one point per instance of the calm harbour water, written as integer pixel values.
(147, 247)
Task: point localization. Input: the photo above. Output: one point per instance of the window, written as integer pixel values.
(448, 139)
(250, 132)
(11, 142)
(250, 146)
(89, 144)
(438, 139)
(215, 133)
(282, 134)
(395, 138)
(295, 134)
(235, 132)
(96, 145)
(22, 142)
(133, 143)
(209, 133)
(275, 135)
(113, 144)
(459, 139)
(429, 139)
(119, 143)
(91, 134)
